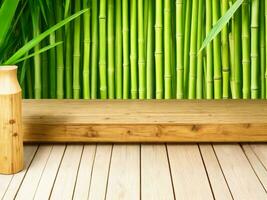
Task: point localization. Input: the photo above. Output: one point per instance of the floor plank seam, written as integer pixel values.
(57, 171)
(140, 167)
(76, 177)
(90, 182)
(228, 186)
(111, 153)
(170, 170)
(207, 175)
(27, 171)
(253, 169)
(255, 153)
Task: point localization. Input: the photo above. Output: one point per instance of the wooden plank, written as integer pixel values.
(239, 174)
(217, 181)
(85, 172)
(124, 177)
(257, 165)
(67, 174)
(188, 173)
(9, 184)
(261, 151)
(100, 172)
(49, 173)
(33, 176)
(144, 121)
(155, 173)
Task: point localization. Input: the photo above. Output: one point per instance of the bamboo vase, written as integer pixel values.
(11, 136)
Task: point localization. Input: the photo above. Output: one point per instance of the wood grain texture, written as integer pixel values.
(239, 174)
(11, 136)
(144, 121)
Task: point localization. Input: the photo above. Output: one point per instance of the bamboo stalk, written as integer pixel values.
(111, 62)
(180, 47)
(94, 59)
(141, 51)
(118, 50)
(193, 52)
(159, 49)
(125, 36)
(262, 50)
(86, 50)
(254, 49)
(59, 51)
(246, 49)
(167, 50)
(209, 51)
(266, 50)
(102, 50)
(199, 81)
(134, 77)
(150, 56)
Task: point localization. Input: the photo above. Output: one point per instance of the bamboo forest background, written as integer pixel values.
(145, 49)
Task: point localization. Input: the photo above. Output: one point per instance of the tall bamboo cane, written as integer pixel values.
(134, 77)
(167, 50)
(159, 49)
(102, 50)
(254, 49)
(266, 50)
(262, 50)
(111, 62)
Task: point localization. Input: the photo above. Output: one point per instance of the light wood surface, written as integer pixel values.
(144, 121)
(134, 171)
(11, 136)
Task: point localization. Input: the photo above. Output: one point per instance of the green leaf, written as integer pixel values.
(38, 52)
(31, 44)
(7, 12)
(221, 23)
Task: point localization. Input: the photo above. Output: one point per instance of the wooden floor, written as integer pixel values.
(205, 171)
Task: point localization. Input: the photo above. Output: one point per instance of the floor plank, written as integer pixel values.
(15, 180)
(188, 172)
(124, 178)
(33, 176)
(217, 181)
(100, 172)
(155, 174)
(85, 172)
(239, 174)
(50, 172)
(261, 152)
(66, 178)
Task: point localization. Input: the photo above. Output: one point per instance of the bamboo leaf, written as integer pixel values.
(22, 51)
(38, 52)
(221, 23)
(7, 12)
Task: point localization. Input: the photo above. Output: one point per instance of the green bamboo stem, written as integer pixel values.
(102, 50)
(254, 49)
(237, 45)
(150, 56)
(262, 51)
(217, 52)
(118, 50)
(225, 54)
(29, 85)
(94, 56)
(133, 28)
(193, 52)
(68, 52)
(246, 49)
(232, 69)
(141, 51)
(173, 49)
(167, 50)
(199, 81)
(87, 49)
(125, 36)
(59, 51)
(266, 50)
(209, 51)
(111, 45)
(44, 61)
(180, 47)
(159, 49)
